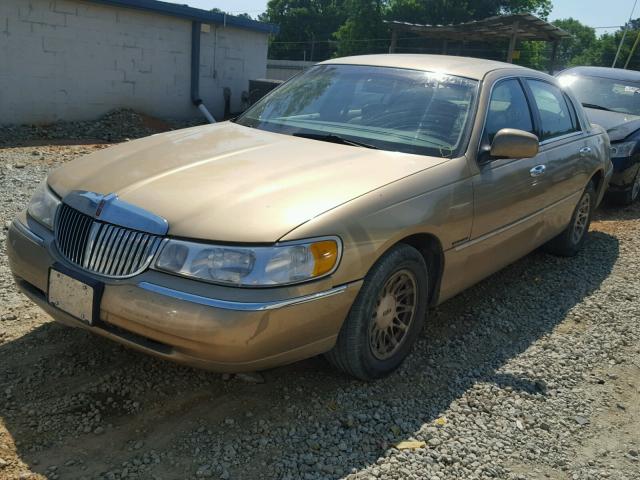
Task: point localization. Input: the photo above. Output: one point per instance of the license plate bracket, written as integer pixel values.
(74, 294)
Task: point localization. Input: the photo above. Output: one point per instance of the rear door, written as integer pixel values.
(565, 147)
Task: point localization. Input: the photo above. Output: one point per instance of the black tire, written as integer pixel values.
(353, 352)
(569, 243)
(627, 197)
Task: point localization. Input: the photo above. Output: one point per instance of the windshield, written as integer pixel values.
(387, 108)
(621, 96)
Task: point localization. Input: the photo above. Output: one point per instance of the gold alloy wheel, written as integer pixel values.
(582, 217)
(393, 314)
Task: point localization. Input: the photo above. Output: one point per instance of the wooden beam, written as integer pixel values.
(512, 42)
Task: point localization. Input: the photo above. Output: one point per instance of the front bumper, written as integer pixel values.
(206, 326)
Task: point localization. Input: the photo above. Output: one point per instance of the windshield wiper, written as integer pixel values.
(333, 138)
(597, 107)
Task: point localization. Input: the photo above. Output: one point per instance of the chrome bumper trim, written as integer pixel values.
(239, 306)
(25, 231)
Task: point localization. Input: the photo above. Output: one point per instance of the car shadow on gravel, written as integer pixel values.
(612, 212)
(88, 406)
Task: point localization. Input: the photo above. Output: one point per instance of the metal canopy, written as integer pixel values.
(529, 27)
(521, 26)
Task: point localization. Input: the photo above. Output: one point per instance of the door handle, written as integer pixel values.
(585, 150)
(537, 170)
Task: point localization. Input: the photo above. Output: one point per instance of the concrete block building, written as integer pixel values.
(78, 59)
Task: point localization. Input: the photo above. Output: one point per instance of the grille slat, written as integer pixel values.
(115, 244)
(75, 218)
(98, 248)
(93, 233)
(103, 248)
(78, 251)
(143, 246)
(108, 245)
(123, 252)
(65, 227)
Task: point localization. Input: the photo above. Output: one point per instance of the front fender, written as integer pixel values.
(437, 201)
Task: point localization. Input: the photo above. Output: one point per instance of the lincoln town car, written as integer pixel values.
(328, 218)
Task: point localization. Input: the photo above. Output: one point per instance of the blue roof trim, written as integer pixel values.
(194, 14)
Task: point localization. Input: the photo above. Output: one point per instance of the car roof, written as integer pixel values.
(469, 67)
(605, 72)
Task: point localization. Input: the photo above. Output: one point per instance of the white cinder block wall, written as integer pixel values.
(76, 60)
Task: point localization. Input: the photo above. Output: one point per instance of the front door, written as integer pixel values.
(509, 194)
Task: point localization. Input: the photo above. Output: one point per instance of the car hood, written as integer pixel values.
(231, 183)
(618, 125)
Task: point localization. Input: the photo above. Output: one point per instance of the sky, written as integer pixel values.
(595, 13)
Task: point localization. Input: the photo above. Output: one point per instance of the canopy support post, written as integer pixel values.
(512, 42)
(394, 41)
(552, 60)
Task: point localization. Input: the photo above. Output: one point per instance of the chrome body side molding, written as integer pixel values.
(239, 306)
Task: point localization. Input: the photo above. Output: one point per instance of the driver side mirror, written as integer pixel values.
(513, 143)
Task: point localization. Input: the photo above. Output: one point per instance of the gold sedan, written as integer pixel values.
(326, 219)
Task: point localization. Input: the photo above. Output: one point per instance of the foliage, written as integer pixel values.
(585, 48)
(607, 46)
(364, 21)
(319, 29)
(241, 15)
(302, 24)
(578, 50)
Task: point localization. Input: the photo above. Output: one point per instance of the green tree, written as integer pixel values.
(607, 46)
(578, 50)
(456, 11)
(319, 29)
(363, 31)
(241, 15)
(306, 26)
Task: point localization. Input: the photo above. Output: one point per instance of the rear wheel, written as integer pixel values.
(386, 317)
(570, 241)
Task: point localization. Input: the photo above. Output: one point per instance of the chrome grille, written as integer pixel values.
(103, 248)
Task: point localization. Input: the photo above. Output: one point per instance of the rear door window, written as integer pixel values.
(555, 117)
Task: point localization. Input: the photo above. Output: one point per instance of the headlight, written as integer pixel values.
(43, 205)
(621, 150)
(251, 266)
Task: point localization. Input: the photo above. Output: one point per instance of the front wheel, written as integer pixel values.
(570, 241)
(386, 317)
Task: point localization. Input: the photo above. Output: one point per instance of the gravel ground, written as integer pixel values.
(532, 374)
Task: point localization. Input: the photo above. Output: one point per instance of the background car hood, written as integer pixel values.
(231, 183)
(618, 125)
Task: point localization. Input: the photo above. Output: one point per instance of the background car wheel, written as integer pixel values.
(386, 317)
(628, 196)
(570, 241)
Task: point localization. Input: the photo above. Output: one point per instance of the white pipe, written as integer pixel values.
(206, 113)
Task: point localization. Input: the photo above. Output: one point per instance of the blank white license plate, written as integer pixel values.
(71, 296)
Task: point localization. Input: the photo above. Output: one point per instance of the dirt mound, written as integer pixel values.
(115, 126)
